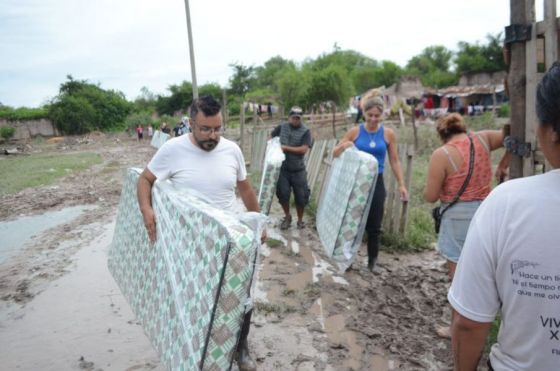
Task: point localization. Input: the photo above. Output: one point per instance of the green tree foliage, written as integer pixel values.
(347, 59)
(267, 75)
(81, 107)
(7, 132)
(329, 84)
(242, 80)
(138, 118)
(293, 86)
(363, 78)
(433, 67)
(23, 113)
(179, 101)
(146, 101)
(181, 97)
(212, 89)
(474, 58)
(387, 74)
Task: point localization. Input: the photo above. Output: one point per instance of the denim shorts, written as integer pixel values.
(454, 227)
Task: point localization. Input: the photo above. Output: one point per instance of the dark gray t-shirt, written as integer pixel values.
(294, 137)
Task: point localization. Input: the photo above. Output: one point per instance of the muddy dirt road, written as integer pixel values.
(60, 309)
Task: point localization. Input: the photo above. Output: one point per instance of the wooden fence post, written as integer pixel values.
(522, 14)
(242, 127)
(530, 91)
(407, 179)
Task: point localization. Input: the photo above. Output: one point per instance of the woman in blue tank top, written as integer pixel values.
(374, 138)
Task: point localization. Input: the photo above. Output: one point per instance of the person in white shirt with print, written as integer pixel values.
(510, 263)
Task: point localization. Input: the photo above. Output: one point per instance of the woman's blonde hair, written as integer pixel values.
(372, 98)
(449, 125)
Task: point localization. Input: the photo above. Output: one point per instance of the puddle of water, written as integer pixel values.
(15, 234)
(299, 281)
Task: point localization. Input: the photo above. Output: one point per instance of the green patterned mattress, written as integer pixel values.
(274, 156)
(343, 211)
(189, 289)
(159, 138)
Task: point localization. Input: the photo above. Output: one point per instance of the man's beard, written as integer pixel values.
(207, 145)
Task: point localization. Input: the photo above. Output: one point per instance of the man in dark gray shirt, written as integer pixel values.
(295, 139)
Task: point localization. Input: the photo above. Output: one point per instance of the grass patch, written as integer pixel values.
(272, 243)
(19, 173)
(492, 335)
(270, 308)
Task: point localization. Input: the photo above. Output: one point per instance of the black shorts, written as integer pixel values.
(296, 180)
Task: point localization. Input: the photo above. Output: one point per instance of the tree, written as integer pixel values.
(146, 101)
(347, 59)
(268, 74)
(242, 80)
(293, 86)
(474, 58)
(179, 101)
(387, 74)
(433, 67)
(81, 107)
(329, 84)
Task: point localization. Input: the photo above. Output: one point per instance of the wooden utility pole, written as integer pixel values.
(522, 14)
(191, 51)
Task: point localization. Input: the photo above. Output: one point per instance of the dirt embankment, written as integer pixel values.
(308, 315)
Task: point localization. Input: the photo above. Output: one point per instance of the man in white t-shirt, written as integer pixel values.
(210, 165)
(510, 262)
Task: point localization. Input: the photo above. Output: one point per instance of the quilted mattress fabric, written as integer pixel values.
(159, 138)
(190, 288)
(343, 211)
(271, 170)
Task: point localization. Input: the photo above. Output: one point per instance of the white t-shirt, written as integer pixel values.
(511, 263)
(213, 174)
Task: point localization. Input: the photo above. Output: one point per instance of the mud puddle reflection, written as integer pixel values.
(15, 234)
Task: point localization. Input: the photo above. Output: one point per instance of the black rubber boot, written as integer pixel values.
(371, 264)
(244, 360)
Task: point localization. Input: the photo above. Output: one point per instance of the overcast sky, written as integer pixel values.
(127, 44)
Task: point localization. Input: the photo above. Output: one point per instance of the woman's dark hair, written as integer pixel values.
(449, 125)
(205, 104)
(548, 98)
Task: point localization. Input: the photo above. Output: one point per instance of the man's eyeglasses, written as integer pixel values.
(207, 130)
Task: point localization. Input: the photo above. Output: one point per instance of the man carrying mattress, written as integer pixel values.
(209, 164)
(295, 139)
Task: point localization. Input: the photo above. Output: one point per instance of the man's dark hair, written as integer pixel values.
(548, 98)
(205, 104)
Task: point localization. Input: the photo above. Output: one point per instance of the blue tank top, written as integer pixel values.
(374, 144)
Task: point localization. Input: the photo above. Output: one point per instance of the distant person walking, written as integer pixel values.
(165, 129)
(295, 139)
(150, 131)
(139, 133)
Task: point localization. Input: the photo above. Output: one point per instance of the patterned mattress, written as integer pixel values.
(271, 170)
(190, 288)
(343, 211)
(159, 138)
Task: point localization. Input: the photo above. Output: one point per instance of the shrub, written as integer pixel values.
(504, 110)
(23, 113)
(7, 132)
(140, 118)
(81, 107)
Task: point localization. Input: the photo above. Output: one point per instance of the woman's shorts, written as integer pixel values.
(454, 227)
